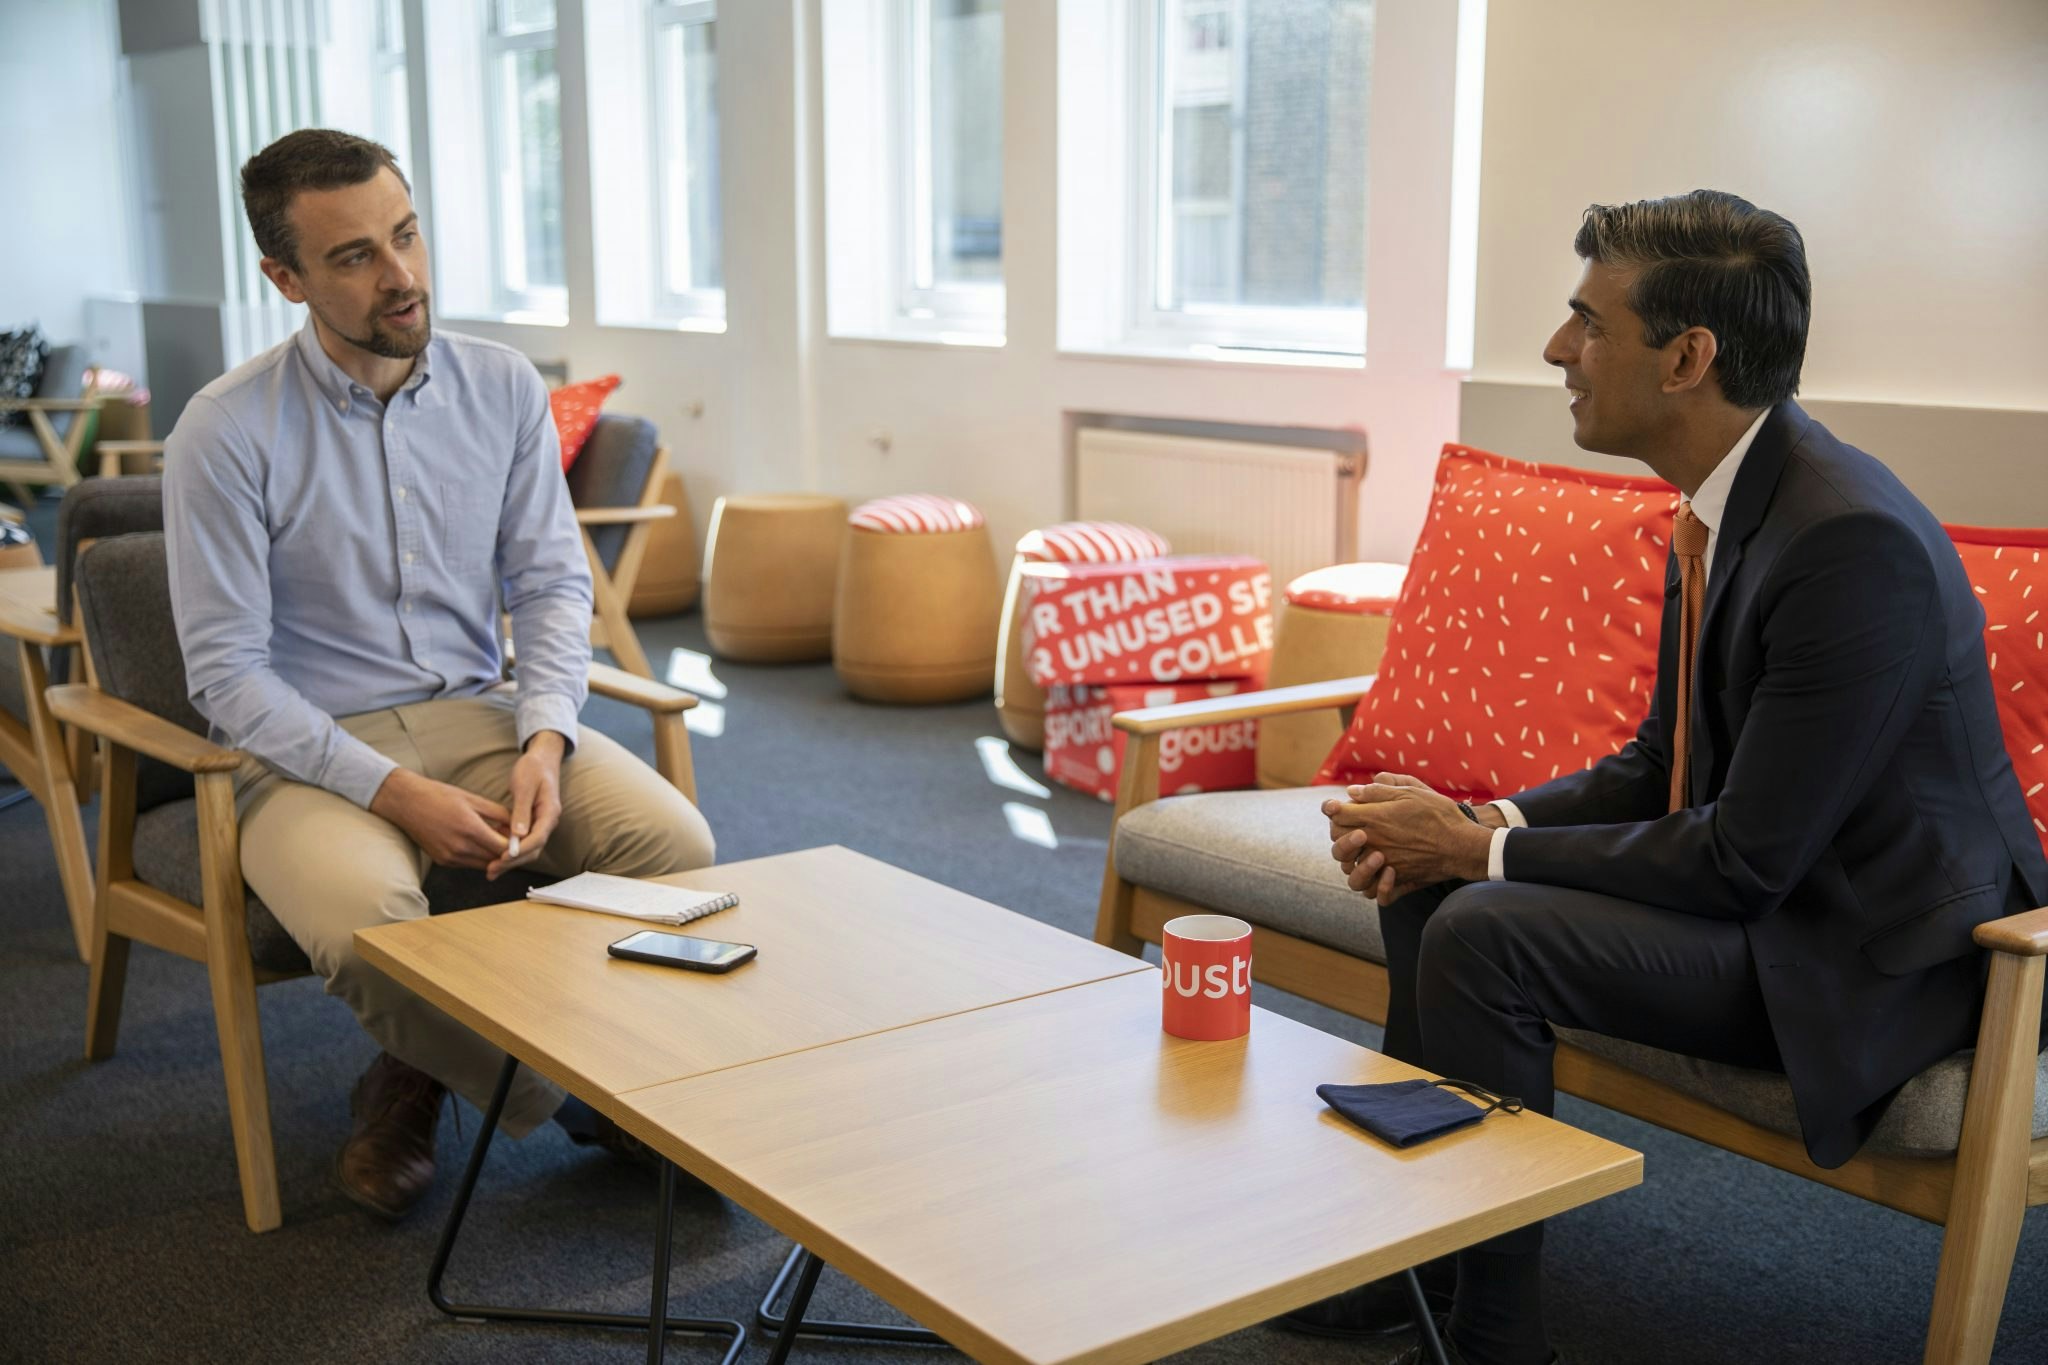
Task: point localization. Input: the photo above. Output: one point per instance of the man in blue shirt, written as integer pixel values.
(344, 515)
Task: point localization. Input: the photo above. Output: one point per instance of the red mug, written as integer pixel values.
(1206, 977)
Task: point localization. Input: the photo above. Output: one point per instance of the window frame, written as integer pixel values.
(672, 305)
(921, 305)
(527, 301)
(1338, 332)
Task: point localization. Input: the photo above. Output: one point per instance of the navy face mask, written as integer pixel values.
(1405, 1113)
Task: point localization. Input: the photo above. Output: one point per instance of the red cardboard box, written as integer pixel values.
(1085, 752)
(1185, 618)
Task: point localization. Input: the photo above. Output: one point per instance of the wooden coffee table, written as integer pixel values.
(1055, 1180)
(849, 946)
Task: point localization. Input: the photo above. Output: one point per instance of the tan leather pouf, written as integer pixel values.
(1332, 625)
(668, 568)
(918, 601)
(770, 564)
(1020, 702)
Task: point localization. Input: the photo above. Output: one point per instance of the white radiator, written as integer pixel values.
(1296, 509)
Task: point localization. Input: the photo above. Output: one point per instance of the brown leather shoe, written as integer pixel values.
(388, 1161)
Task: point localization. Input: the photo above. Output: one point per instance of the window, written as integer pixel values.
(914, 169)
(392, 103)
(654, 163)
(686, 157)
(523, 136)
(1240, 167)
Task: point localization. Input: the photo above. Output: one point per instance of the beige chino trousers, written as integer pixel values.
(326, 867)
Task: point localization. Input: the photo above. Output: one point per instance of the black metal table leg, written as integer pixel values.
(656, 1322)
(793, 1324)
(768, 1320)
(1425, 1322)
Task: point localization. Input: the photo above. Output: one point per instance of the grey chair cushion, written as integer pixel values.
(13, 700)
(612, 472)
(63, 377)
(1263, 856)
(20, 443)
(167, 858)
(1925, 1120)
(124, 589)
(99, 509)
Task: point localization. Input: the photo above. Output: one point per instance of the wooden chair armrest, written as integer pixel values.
(9, 404)
(635, 690)
(622, 516)
(1274, 701)
(131, 727)
(2022, 935)
(37, 625)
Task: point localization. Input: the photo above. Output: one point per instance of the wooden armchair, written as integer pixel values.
(39, 645)
(169, 870)
(1965, 1145)
(615, 486)
(47, 450)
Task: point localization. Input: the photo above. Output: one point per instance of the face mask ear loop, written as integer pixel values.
(1507, 1104)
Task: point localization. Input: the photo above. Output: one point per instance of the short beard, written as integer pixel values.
(391, 345)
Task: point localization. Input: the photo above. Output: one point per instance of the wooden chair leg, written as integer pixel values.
(1989, 1196)
(672, 753)
(108, 951)
(60, 802)
(610, 609)
(232, 975)
(108, 954)
(1138, 786)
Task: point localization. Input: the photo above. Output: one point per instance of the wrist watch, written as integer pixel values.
(1470, 814)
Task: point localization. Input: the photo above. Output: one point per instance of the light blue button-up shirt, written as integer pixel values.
(331, 554)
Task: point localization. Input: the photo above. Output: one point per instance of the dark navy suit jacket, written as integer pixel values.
(1851, 801)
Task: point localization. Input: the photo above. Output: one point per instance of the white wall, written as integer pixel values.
(1908, 140)
(60, 161)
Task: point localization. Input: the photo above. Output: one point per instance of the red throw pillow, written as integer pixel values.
(575, 407)
(2011, 579)
(1525, 641)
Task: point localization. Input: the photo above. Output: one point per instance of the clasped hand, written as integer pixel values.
(458, 828)
(1395, 834)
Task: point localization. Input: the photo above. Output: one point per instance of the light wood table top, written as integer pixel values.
(848, 946)
(1056, 1180)
(28, 605)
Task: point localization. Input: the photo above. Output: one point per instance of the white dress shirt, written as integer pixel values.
(1709, 504)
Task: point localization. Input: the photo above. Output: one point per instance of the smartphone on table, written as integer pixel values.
(678, 950)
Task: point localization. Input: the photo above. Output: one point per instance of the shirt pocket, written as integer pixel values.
(469, 527)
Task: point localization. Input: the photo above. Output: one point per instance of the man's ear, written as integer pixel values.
(284, 277)
(1687, 359)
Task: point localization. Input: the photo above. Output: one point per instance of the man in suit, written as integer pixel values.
(1782, 870)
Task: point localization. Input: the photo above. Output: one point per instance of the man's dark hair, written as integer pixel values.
(1710, 259)
(310, 159)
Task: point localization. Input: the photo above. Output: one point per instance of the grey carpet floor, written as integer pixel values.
(121, 1235)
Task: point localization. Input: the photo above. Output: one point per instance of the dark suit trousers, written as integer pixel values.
(1479, 974)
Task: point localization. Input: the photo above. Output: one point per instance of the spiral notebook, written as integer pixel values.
(653, 902)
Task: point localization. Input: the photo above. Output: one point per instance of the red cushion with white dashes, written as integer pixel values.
(575, 408)
(1092, 542)
(1353, 589)
(916, 514)
(1525, 641)
(2011, 579)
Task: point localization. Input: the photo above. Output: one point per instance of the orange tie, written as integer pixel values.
(1689, 543)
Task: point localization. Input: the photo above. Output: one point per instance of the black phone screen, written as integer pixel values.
(678, 950)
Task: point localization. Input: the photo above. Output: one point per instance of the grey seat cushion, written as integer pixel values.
(1264, 856)
(611, 471)
(167, 858)
(13, 700)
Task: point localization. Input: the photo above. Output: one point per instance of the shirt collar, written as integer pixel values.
(333, 381)
(1711, 501)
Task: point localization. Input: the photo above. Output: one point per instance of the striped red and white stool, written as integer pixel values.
(918, 602)
(1020, 702)
(1333, 624)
